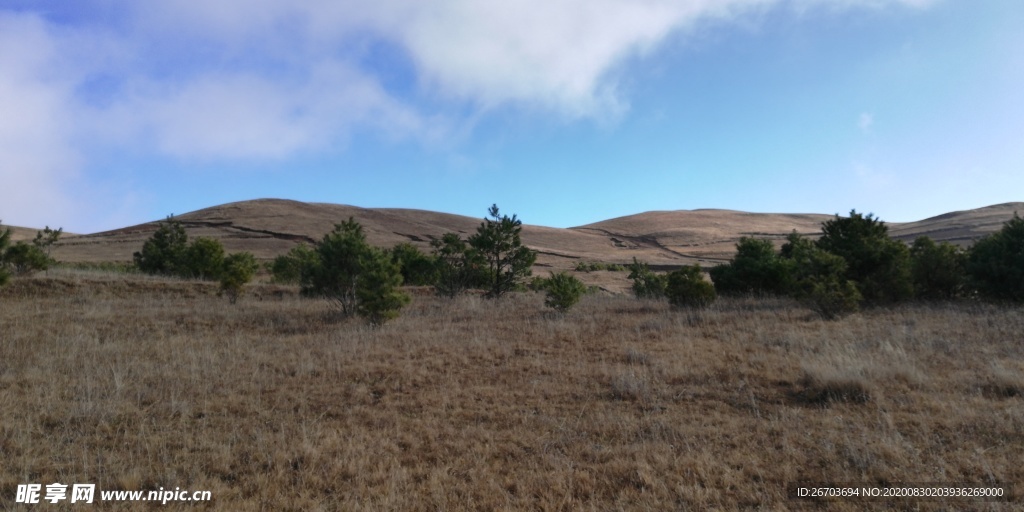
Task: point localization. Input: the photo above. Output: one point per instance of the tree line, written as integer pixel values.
(855, 263)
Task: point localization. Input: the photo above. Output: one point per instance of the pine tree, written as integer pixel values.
(498, 241)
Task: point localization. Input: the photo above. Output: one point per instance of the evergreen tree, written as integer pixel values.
(237, 270)
(335, 273)
(455, 265)
(288, 268)
(498, 241)
(995, 263)
(819, 279)
(938, 270)
(876, 263)
(163, 252)
(25, 259)
(5, 240)
(562, 291)
(417, 269)
(756, 268)
(646, 284)
(203, 259)
(687, 287)
(378, 288)
(359, 278)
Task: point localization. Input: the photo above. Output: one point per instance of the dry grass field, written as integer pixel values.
(272, 404)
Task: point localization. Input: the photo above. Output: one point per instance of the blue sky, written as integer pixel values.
(567, 112)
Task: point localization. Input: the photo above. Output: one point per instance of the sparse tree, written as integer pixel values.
(687, 287)
(498, 241)
(562, 291)
(996, 263)
(45, 239)
(238, 269)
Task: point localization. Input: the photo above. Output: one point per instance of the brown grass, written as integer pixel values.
(138, 383)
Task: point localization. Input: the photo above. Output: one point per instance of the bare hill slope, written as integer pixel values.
(269, 227)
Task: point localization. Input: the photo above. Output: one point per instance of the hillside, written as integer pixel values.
(269, 227)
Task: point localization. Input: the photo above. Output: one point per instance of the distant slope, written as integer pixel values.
(665, 239)
(963, 227)
(702, 234)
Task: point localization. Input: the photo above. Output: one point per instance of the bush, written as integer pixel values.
(238, 269)
(497, 241)
(819, 279)
(646, 284)
(25, 259)
(687, 287)
(457, 267)
(562, 291)
(995, 263)
(336, 270)
(359, 278)
(163, 252)
(377, 289)
(417, 269)
(938, 270)
(288, 268)
(5, 240)
(876, 263)
(756, 268)
(202, 259)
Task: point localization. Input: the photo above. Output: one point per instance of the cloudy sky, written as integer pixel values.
(564, 111)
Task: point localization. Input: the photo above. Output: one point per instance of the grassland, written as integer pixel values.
(132, 382)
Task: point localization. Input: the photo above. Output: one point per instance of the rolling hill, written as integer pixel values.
(269, 227)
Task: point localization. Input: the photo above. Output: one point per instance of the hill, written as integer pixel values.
(665, 239)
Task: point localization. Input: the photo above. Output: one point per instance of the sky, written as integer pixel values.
(564, 112)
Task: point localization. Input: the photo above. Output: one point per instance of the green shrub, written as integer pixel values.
(687, 287)
(359, 278)
(646, 284)
(939, 271)
(756, 269)
(238, 269)
(417, 269)
(457, 267)
(876, 263)
(335, 272)
(5, 240)
(163, 252)
(288, 268)
(819, 279)
(562, 291)
(995, 263)
(378, 287)
(497, 240)
(25, 259)
(203, 259)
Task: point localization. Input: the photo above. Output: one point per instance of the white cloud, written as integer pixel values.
(560, 55)
(267, 79)
(37, 157)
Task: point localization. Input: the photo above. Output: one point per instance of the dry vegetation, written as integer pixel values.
(141, 383)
